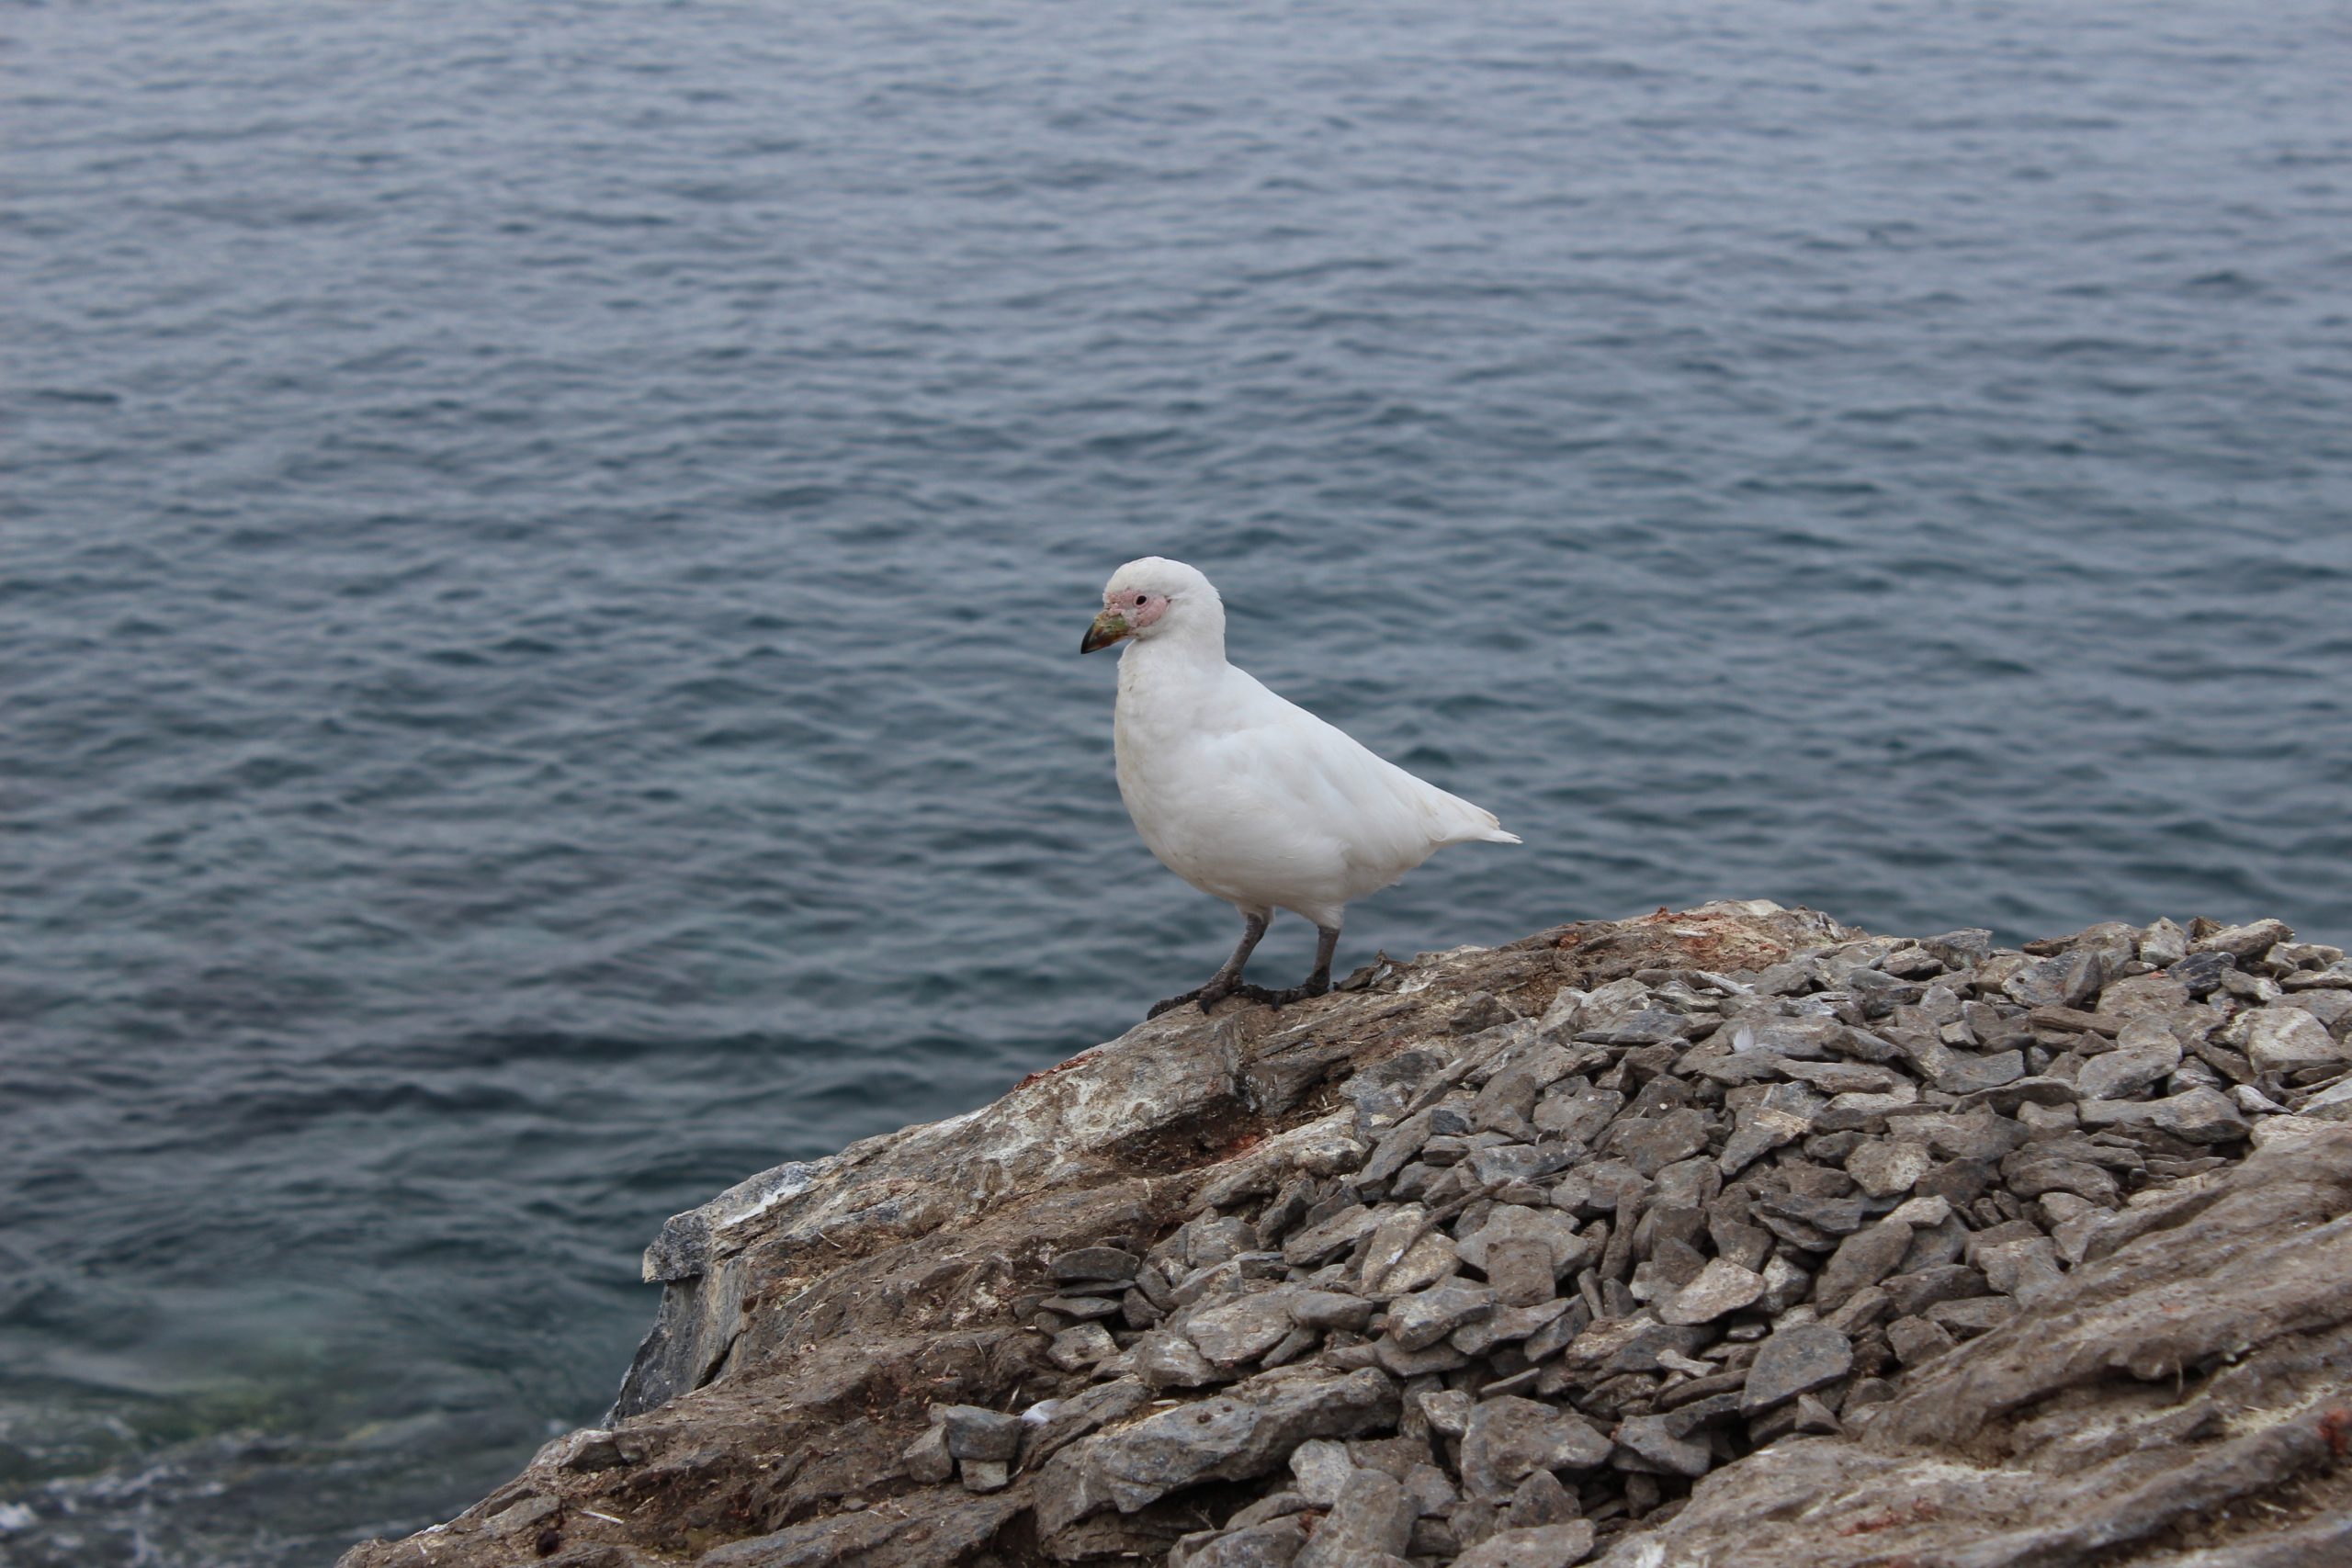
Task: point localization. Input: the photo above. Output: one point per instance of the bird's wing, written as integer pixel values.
(1384, 816)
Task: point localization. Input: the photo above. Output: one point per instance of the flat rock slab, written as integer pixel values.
(1508, 1437)
(1798, 1360)
(1544, 1546)
(1242, 1329)
(1248, 1431)
(1721, 1287)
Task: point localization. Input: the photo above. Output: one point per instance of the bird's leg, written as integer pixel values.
(1327, 940)
(1222, 983)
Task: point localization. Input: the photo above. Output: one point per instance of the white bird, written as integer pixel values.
(1251, 798)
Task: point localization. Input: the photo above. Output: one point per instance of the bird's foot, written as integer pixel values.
(1208, 996)
(1172, 1003)
(1316, 984)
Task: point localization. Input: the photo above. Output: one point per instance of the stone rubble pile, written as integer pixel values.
(1535, 1277)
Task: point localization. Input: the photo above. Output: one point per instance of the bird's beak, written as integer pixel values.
(1108, 628)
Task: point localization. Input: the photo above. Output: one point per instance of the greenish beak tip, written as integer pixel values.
(1108, 628)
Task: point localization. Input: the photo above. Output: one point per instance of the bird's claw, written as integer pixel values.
(1172, 1003)
(1208, 996)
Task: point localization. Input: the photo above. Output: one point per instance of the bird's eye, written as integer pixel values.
(1141, 597)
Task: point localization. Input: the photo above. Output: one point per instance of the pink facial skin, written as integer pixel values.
(1140, 609)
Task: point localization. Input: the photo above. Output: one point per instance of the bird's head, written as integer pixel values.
(1148, 598)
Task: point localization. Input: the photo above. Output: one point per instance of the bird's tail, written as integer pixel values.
(1473, 824)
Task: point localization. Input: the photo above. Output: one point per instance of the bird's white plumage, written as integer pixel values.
(1252, 799)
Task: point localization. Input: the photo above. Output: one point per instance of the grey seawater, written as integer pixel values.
(542, 550)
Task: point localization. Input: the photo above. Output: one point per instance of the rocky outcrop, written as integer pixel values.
(1727, 1236)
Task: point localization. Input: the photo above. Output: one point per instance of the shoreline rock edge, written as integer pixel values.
(1727, 1235)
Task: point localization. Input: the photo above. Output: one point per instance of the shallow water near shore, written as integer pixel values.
(542, 557)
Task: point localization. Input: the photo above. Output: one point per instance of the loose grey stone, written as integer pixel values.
(1430, 1489)
(2144, 1052)
(975, 1433)
(2246, 942)
(2022, 1269)
(2158, 996)
(1843, 1077)
(1649, 1437)
(1382, 1092)
(1230, 1437)
(2020, 1096)
(1328, 1309)
(1977, 1134)
(1968, 1074)
(1797, 1359)
(1242, 1329)
(1757, 1134)
(1555, 1545)
(1398, 1147)
(1405, 1254)
(1975, 1315)
(2332, 1009)
(2030, 1172)
(1913, 1292)
(1831, 1216)
(1785, 1284)
(1652, 1442)
(985, 1474)
(1516, 1162)
(1520, 1270)
(1075, 1349)
(1507, 1324)
(1863, 1258)
(1884, 1167)
(2198, 1116)
(1812, 1416)
(1421, 1319)
(1633, 1343)
(2162, 943)
(1721, 1287)
(1276, 1543)
(1544, 1546)
(1861, 1112)
(1554, 1228)
(1508, 1437)
(1398, 1361)
(2069, 979)
(1963, 948)
(1540, 1500)
(1921, 1212)
(1917, 1339)
(927, 1458)
(1371, 1518)
(1577, 1117)
(1321, 1242)
(1163, 1359)
(1089, 1264)
(1447, 1410)
(1913, 962)
(1207, 1242)
(1647, 1144)
(2202, 974)
(2285, 1040)
(1322, 1468)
